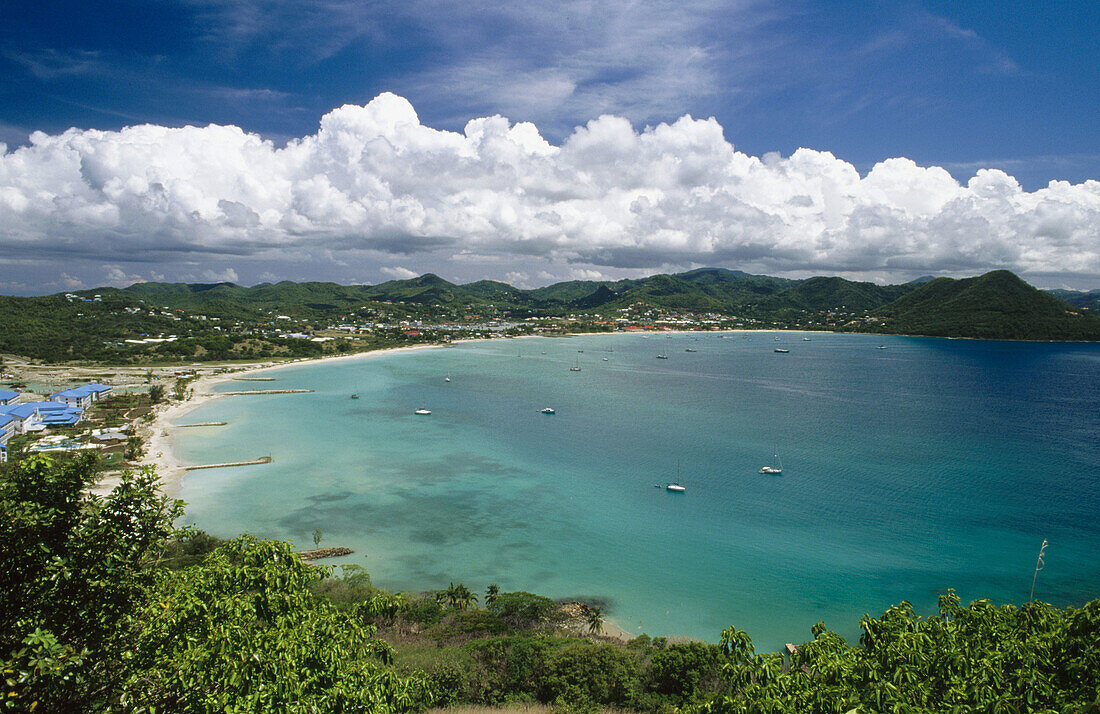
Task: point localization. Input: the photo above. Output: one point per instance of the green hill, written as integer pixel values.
(822, 293)
(997, 305)
(1088, 300)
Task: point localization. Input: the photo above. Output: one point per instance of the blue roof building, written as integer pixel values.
(82, 396)
(8, 397)
(30, 414)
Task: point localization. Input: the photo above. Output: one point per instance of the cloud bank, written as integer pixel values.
(374, 184)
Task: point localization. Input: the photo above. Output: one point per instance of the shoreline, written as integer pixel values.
(160, 452)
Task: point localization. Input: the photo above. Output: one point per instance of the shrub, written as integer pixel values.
(584, 672)
(523, 608)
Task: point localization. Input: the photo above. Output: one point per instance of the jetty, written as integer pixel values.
(323, 553)
(204, 423)
(254, 379)
(261, 460)
(268, 391)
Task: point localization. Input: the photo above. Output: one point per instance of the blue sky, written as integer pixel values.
(964, 86)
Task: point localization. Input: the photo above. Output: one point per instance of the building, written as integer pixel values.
(24, 416)
(82, 397)
(58, 414)
(36, 416)
(8, 397)
(7, 431)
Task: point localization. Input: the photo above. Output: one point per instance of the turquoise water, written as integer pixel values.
(907, 470)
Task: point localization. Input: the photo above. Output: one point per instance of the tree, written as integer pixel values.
(75, 574)
(593, 619)
(133, 447)
(459, 596)
(491, 594)
(156, 393)
(244, 632)
(976, 658)
(317, 535)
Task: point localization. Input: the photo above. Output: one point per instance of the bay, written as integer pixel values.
(928, 464)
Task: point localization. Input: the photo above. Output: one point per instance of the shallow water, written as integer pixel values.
(907, 470)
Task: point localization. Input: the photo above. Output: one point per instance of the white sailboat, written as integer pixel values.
(676, 486)
(773, 469)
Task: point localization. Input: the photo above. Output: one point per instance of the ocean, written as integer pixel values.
(910, 465)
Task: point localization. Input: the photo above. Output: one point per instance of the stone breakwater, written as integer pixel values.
(324, 553)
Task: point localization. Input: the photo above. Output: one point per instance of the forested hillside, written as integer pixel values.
(227, 321)
(995, 305)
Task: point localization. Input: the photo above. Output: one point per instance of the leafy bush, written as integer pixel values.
(424, 610)
(523, 608)
(683, 671)
(584, 672)
(467, 622)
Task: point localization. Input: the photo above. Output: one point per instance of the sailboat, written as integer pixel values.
(447, 378)
(773, 469)
(576, 366)
(675, 486)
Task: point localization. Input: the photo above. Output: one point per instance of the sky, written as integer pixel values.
(355, 141)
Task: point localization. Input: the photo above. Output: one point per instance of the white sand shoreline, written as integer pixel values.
(160, 452)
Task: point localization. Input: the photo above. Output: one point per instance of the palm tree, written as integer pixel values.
(593, 620)
(459, 596)
(491, 594)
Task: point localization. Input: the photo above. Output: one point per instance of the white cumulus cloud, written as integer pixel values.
(399, 272)
(374, 181)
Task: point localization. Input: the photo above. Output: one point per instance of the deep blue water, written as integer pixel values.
(907, 470)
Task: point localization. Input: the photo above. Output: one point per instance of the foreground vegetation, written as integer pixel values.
(108, 607)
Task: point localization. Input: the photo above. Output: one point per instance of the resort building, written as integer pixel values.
(7, 431)
(82, 397)
(8, 397)
(36, 416)
(23, 416)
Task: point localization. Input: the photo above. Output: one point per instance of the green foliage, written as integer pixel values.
(156, 393)
(681, 671)
(243, 631)
(974, 659)
(422, 610)
(584, 672)
(466, 623)
(75, 573)
(995, 305)
(188, 546)
(508, 667)
(133, 447)
(523, 608)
